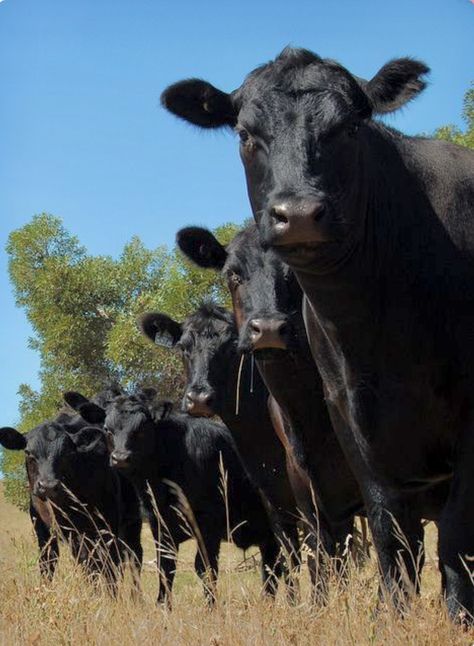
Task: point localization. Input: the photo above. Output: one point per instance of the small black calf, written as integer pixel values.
(177, 465)
(76, 495)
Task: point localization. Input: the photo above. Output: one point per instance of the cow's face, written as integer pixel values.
(130, 432)
(54, 456)
(304, 141)
(265, 295)
(128, 425)
(207, 343)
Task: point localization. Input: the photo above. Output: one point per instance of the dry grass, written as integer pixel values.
(69, 611)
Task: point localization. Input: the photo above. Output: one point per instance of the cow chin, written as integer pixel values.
(270, 354)
(200, 411)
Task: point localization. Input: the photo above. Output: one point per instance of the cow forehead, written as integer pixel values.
(318, 97)
(47, 440)
(126, 413)
(212, 331)
(277, 84)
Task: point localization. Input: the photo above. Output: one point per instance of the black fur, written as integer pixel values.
(179, 456)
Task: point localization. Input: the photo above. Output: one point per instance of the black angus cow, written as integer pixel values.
(75, 496)
(219, 384)
(377, 227)
(191, 482)
(267, 308)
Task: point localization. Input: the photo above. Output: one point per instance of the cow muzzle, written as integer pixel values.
(47, 489)
(120, 459)
(267, 333)
(199, 404)
(298, 222)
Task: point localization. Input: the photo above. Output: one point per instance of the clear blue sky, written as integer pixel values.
(83, 136)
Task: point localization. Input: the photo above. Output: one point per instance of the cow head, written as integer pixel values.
(207, 343)
(305, 128)
(57, 455)
(129, 423)
(266, 297)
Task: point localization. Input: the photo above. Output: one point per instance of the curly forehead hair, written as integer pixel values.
(204, 319)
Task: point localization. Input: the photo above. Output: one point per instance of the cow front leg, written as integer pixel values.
(166, 557)
(206, 565)
(398, 534)
(456, 537)
(291, 554)
(48, 546)
(133, 550)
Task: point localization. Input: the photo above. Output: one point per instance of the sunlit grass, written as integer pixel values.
(71, 611)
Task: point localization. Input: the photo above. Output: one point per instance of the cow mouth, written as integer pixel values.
(270, 354)
(200, 411)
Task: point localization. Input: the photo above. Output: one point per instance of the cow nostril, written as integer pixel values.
(255, 326)
(318, 212)
(282, 329)
(279, 214)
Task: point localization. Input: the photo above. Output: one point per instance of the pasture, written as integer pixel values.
(69, 611)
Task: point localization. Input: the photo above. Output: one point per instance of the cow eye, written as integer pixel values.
(244, 135)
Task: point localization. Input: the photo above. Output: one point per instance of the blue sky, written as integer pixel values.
(83, 136)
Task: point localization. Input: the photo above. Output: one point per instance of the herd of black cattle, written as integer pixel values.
(344, 375)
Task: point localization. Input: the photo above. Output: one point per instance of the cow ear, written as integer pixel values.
(92, 413)
(12, 439)
(201, 247)
(200, 103)
(395, 84)
(74, 399)
(89, 439)
(161, 329)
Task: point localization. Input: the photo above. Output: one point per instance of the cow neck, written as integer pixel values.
(296, 384)
(392, 265)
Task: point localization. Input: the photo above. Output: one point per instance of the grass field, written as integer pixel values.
(71, 611)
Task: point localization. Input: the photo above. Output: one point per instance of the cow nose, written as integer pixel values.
(48, 488)
(120, 459)
(199, 403)
(297, 221)
(268, 333)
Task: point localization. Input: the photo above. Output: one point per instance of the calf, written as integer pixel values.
(190, 480)
(267, 308)
(378, 229)
(74, 491)
(218, 385)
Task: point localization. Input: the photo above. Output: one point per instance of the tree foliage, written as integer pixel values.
(84, 309)
(455, 134)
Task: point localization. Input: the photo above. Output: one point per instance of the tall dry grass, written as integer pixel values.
(71, 611)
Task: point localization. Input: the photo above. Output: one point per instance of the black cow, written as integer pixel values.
(218, 383)
(267, 308)
(191, 482)
(378, 228)
(74, 491)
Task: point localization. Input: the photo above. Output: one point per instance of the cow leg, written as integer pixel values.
(166, 557)
(271, 566)
(48, 546)
(292, 561)
(456, 537)
(131, 537)
(206, 565)
(322, 546)
(397, 533)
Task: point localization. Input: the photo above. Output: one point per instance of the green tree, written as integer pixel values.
(455, 134)
(84, 309)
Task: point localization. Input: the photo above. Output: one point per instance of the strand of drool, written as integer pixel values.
(252, 366)
(237, 390)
